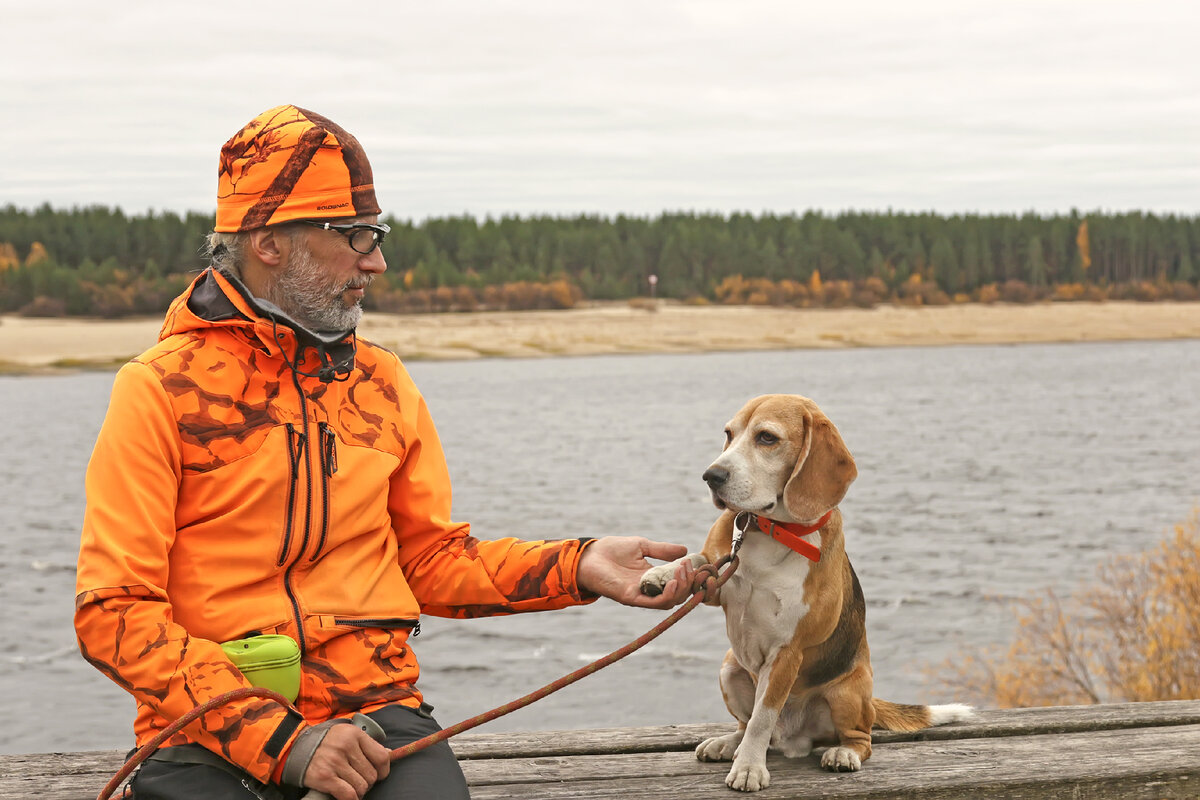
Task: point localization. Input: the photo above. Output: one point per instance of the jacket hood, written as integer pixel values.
(218, 300)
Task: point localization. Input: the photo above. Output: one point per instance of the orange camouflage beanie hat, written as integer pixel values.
(289, 163)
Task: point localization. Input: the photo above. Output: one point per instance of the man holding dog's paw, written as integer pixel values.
(268, 504)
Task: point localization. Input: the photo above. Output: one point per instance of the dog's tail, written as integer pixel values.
(901, 717)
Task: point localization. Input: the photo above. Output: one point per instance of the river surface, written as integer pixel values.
(986, 473)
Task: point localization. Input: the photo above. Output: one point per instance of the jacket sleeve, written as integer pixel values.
(123, 616)
(453, 574)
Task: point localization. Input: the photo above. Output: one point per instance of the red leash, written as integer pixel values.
(708, 579)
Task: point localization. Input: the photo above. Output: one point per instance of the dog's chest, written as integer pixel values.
(764, 600)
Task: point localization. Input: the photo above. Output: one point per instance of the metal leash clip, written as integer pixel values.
(740, 523)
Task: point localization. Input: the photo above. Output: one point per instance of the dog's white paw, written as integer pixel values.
(655, 578)
(748, 777)
(841, 759)
(719, 748)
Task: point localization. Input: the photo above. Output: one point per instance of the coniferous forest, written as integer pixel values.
(98, 261)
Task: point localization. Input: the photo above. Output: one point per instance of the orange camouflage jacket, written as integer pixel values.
(236, 488)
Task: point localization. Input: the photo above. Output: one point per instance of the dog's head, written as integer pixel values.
(783, 459)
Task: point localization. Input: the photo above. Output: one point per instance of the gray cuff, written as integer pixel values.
(302, 752)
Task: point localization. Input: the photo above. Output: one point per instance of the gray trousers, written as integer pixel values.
(190, 771)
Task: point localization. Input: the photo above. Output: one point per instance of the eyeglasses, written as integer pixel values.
(363, 237)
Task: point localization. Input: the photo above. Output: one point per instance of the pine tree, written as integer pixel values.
(1036, 263)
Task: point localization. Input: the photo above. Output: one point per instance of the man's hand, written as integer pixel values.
(612, 566)
(347, 763)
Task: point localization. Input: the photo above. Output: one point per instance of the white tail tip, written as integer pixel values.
(951, 712)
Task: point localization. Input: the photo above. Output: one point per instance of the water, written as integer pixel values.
(985, 474)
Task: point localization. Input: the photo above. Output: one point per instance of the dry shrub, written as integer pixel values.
(988, 293)
(562, 293)
(794, 293)
(1067, 292)
(42, 306)
(1146, 292)
(814, 293)
(1014, 291)
(1182, 290)
(837, 294)
(871, 292)
(916, 292)
(731, 291)
(1133, 636)
(763, 292)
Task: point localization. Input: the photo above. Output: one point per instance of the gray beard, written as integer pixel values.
(305, 293)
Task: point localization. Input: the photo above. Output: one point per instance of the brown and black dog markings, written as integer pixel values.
(798, 671)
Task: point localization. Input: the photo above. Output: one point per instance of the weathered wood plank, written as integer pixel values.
(58, 776)
(991, 723)
(522, 756)
(1131, 763)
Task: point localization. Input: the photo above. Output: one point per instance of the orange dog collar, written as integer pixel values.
(791, 535)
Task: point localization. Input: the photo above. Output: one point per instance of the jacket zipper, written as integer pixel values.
(294, 441)
(381, 622)
(328, 468)
(304, 452)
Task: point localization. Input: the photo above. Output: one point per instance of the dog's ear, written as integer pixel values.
(824, 470)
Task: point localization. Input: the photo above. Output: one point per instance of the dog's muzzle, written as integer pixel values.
(716, 478)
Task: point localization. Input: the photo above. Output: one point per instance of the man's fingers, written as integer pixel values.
(356, 781)
(362, 767)
(381, 759)
(686, 574)
(664, 551)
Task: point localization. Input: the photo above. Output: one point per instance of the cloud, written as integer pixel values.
(532, 106)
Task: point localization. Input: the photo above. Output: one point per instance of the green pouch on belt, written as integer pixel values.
(271, 662)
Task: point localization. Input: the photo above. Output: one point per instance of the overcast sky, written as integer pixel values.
(560, 107)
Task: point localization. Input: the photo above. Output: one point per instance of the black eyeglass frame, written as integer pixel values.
(351, 229)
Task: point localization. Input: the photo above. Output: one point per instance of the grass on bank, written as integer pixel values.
(1131, 636)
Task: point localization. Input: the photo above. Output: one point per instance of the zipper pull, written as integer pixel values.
(330, 454)
(295, 445)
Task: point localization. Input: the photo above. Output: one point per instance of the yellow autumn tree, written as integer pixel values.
(8, 256)
(1084, 245)
(1132, 636)
(37, 254)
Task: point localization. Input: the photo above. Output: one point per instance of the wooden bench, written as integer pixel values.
(1134, 750)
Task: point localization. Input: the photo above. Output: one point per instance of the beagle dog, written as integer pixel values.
(798, 671)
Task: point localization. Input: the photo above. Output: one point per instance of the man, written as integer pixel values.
(263, 472)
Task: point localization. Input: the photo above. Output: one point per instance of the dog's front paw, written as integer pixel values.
(748, 777)
(719, 748)
(656, 578)
(841, 759)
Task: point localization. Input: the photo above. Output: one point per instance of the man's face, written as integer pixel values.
(324, 281)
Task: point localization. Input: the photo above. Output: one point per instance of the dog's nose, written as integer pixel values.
(716, 476)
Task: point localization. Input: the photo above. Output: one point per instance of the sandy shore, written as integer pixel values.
(37, 344)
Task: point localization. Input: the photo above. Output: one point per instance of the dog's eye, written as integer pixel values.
(728, 436)
(766, 438)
